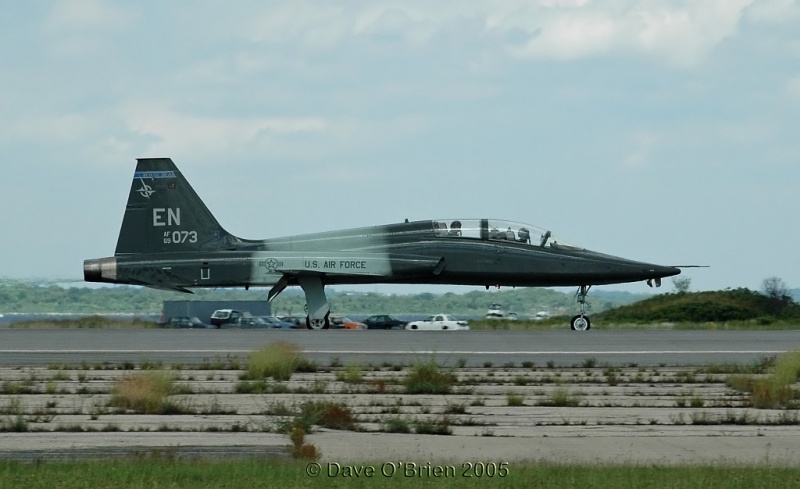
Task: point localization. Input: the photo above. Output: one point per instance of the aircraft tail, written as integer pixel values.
(164, 214)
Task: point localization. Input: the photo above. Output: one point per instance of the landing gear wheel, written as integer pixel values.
(312, 323)
(580, 322)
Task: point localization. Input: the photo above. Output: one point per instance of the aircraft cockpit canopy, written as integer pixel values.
(499, 230)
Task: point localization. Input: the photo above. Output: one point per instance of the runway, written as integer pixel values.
(476, 348)
(54, 388)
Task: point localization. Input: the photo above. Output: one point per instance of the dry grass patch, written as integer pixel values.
(774, 390)
(145, 393)
(278, 360)
(429, 378)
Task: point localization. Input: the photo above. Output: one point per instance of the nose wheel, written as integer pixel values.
(581, 322)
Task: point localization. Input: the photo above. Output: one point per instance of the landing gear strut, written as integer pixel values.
(580, 322)
(316, 303)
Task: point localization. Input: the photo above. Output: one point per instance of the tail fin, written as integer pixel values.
(164, 214)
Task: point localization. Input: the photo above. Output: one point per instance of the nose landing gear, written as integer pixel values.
(581, 322)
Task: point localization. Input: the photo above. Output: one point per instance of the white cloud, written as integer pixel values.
(639, 156)
(53, 128)
(793, 88)
(682, 33)
(570, 37)
(313, 25)
(82, 28)
(82, 15)
(774, 11)
(175, 132)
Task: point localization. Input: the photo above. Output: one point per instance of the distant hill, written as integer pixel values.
(25, 297)
(43, 297)
(715, 306)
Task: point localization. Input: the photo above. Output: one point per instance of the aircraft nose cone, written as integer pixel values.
(667, 271)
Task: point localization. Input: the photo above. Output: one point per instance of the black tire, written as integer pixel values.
(326, 324)
(579, 322)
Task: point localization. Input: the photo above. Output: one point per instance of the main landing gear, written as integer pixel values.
(316, 302)
(580, 322)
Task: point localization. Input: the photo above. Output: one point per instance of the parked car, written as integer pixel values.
(185, 322)
(438, 322)
(277, 323)
(384, 321)
(298, 321)
(496, 311)
(223, 316)
(248, 322)
(339, 322)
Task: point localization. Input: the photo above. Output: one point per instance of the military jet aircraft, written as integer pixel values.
(170, 240)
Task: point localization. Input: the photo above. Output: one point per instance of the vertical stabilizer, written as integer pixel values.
(164, 214)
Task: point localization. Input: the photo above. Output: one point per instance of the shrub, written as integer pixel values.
(299, 448)
(440, 426)
(515, 399)
(769, 394)
(255, 387)
(428, 378)
(562, 398)
(144, 393)
(455, 408)
(278, 360)
(353, 374)
(327, 414)
(775, 390)
(397, 425)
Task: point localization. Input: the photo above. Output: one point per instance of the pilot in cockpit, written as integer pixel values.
(524, 235)
(455, 228)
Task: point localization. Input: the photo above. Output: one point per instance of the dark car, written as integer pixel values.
(384, 321)
(299, 322)
(185, 322)
(277, 323)
(227, 316)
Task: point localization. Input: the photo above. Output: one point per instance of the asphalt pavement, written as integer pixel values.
(476, 348)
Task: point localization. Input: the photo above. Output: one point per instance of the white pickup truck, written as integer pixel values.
(438, 322)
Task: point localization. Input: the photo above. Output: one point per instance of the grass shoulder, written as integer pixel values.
(164, 471)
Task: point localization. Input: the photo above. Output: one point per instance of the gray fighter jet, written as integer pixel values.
(170, 240)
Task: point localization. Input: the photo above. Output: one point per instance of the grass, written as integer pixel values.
(515, 399)
(440, 426)
(397, 425)
(774, 390)
(300, 449)
(166, 471)
(145, 393)
(327, 414)
(88, 322)
(352, 374)
(278, 360)
(426, 377)
(561, 397)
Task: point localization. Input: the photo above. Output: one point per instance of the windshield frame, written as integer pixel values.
(499, 230)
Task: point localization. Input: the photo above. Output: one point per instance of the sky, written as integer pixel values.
(658, 130)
